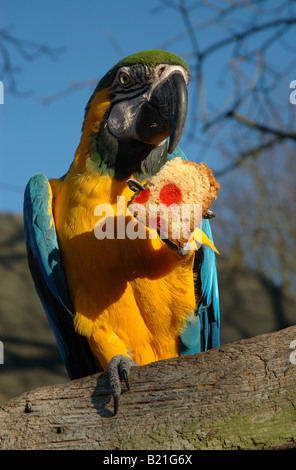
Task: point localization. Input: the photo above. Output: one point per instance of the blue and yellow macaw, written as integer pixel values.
(116, 302)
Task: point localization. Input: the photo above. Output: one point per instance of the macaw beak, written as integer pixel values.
(165, 113)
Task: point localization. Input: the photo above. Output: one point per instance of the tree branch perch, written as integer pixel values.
(239, 396)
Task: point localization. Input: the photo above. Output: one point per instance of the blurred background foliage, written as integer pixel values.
(252, 127)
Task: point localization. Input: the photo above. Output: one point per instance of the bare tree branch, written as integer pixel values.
(72, 88)
(254, 152)
(255, 78)
(27, 51)
(262, 128)
(238, 396)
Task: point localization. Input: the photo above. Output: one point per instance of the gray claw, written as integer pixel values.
(134, 185)
(115, 404)
(125, 378)
(209, 215)
(118, 369)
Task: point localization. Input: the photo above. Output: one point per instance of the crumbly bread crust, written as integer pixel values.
(178, 182)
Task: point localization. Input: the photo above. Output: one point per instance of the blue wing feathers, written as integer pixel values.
(202, 330)
(208, 306)
(50, 282)
(41, 239)
(45, 263)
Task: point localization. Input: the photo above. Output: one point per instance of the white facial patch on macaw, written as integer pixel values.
(122, 118)
(162, 71)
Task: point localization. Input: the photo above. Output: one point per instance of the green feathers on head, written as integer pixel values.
(151, 58)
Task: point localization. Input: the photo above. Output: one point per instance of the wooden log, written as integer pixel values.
(239, 396)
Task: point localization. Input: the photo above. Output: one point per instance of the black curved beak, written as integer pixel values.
(164, 115)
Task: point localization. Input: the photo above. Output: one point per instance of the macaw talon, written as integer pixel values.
(118, 369)
(115, 404)
(209, 215)
(125, 378)
(134, 185)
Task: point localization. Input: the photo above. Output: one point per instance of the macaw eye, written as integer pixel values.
(124, 78)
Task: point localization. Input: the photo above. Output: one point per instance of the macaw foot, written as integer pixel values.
(118, 369)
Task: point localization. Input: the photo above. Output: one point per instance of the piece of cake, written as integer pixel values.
(175, 200)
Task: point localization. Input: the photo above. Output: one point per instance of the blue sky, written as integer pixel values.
(42, 138)
(35, 137)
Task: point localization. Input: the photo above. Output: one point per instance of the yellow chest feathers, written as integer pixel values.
(127, 289)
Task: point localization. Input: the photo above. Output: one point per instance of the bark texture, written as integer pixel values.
(239, 396)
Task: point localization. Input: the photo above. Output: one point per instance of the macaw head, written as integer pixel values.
(136, 107)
